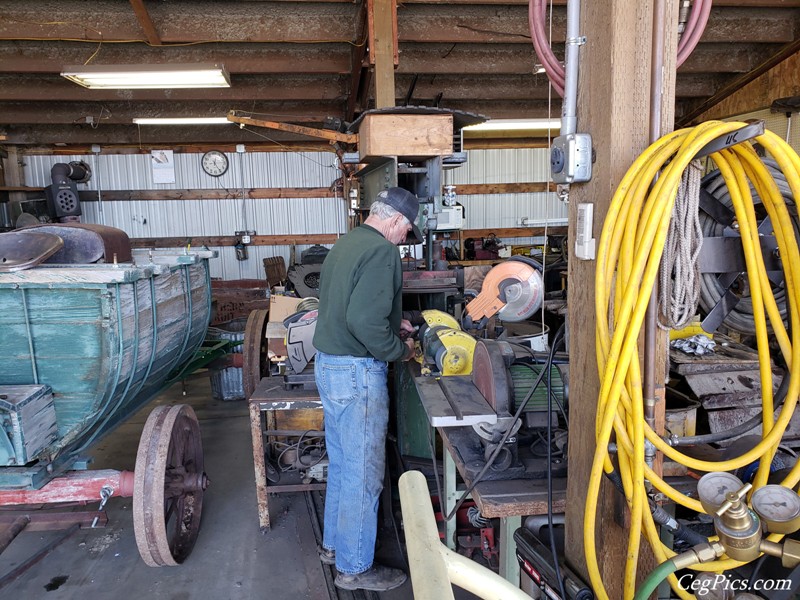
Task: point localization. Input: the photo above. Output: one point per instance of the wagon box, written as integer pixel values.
(85, 346)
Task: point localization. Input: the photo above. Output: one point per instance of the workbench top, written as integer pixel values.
(508, 497)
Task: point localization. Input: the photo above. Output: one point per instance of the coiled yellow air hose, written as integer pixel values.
(628, 258)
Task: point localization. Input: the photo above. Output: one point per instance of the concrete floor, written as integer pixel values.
(232, 560)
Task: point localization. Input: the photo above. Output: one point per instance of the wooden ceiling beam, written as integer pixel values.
(452, 58)
(184, 22)
(520, 87)
(289, 22)
(509, 24)
(245, 88)
(130, 138)
(123, 112)
(244, 58)
(737, 3)
(382, 27)
(733, 86)
(150, 32)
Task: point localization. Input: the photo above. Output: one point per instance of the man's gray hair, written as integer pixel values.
(383, 210)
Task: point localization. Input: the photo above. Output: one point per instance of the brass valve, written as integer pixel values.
(738, 527)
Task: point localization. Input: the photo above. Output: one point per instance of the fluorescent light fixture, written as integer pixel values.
(182, 121)
(516, 125)
(148, 77)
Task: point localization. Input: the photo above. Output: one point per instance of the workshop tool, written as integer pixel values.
(512, 290)
(445, 348)
(490, 374)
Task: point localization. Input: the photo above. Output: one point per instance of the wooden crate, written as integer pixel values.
(416, 136)
(234, 299)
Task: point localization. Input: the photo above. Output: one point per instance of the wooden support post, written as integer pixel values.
(613, 105)
(382, 16)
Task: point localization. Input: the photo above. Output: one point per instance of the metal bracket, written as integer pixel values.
(748, 132)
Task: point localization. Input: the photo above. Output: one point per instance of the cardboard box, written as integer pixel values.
(408, 136)
(280, 307)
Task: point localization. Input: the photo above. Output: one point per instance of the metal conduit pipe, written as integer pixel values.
(569, 114)
(651, 316)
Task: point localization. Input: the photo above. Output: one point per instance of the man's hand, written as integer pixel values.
(406, 329)
(410, 349)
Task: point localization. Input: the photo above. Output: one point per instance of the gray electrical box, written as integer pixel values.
(571, 158)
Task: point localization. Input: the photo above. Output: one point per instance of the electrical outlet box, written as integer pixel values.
(240, 148)
(245, 236)
(571, 158)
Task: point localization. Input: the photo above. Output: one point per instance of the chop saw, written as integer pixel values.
(512, 290)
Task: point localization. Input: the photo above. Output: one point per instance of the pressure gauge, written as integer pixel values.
(713, 489)
(778, 507)
(214, 162)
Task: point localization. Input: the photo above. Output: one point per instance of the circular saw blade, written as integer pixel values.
(523, 298)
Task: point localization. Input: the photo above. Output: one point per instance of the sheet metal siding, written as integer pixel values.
(285, 216)
(187, 218)
(486, 211)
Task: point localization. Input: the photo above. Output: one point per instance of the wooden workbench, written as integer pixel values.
(508, 500)
(269, 396)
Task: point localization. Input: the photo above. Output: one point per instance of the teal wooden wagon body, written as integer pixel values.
(104, 338)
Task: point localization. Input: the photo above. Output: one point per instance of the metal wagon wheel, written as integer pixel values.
(255, 354)
(168, 486)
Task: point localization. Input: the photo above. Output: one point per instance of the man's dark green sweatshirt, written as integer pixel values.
(360, 296)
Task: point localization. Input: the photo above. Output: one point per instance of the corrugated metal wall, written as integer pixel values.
(505, 210)
(285, 216)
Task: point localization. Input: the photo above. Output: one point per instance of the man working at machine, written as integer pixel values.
(357, 334)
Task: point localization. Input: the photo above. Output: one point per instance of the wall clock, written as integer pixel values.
(214, 162)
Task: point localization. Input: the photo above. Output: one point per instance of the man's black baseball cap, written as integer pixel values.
(407, 205)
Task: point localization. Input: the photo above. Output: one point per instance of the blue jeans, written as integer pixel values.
(355, 399)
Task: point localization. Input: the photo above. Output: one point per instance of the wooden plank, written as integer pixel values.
(472, 189)
(507, 498)
(326, 238)
(774, 78)
(326, 134)
(206, 194)
(382, 31)
(259, 466)
(20, 188)
(731, 389)
(230, 240)
(405, 135)
(515, 232)
(514, 497)
(146, 22)
(727, 356)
